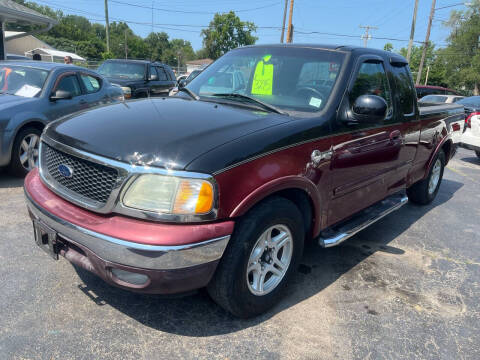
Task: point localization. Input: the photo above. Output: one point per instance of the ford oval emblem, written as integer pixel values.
(65, 171)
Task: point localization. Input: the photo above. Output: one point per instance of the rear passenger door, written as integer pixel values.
(364, 154)
(93, 88)
(164, 82)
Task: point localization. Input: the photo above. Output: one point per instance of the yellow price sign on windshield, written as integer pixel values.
(262, 83)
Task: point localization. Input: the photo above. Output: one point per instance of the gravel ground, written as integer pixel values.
(407, 287)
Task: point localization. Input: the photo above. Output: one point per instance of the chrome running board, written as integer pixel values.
(339, 233)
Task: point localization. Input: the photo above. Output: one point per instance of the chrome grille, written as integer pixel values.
(90, 180)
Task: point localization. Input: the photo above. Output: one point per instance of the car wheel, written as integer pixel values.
(25, 151)
(424, 191)
(261, 256)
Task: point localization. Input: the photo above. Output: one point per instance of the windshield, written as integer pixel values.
(122, 70)
(292, 79)
(22, 81)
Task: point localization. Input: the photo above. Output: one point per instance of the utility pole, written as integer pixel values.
(425, 44)
(428, 72)
(290, 26)
(152, 16)
(284, 20)
(367, 35)
(126, 46)
(412, 31)
(107, 26)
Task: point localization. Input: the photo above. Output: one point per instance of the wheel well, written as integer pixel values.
(35, 124)
(447, 147)
(302, 200)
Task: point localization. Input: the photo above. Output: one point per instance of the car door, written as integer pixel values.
(363, 154)
(67, 81)
(94, 89)
(164, 83)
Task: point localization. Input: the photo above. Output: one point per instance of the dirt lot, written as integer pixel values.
(407, 287)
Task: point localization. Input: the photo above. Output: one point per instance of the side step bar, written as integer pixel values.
(339, 233)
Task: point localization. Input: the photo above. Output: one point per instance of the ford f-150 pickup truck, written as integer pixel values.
(221, 185)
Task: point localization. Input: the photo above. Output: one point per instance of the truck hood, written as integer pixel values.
(124, 82)
(168, 132)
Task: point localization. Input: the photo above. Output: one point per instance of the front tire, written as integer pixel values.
(424, 191)
(262, 255)
(25, 151)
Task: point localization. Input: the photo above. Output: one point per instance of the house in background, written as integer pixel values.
(53, 55)
(12, 12)
(197, 64)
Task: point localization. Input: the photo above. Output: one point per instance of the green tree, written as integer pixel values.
(227, 32)
(462, 55)
(388, 47)
(436, 74)
(157, 43)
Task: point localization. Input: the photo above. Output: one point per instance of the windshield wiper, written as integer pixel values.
(253, 100)
(189, 92)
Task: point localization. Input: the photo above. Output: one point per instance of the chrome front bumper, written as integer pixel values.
(130, 253)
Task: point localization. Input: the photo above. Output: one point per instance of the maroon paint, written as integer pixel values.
(121, 227)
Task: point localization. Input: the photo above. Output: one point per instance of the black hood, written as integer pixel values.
(168, 132)
(124, 82)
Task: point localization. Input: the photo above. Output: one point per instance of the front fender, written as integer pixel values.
(277, 185)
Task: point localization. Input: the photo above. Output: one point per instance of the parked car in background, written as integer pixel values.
(139, 78)
(17, 57)
(447, 99)
(221, 189)
(34, 93)
(471, 136)
(183, 81)
(424, 90)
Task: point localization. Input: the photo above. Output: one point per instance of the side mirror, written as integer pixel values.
(182, 83)
(369, 109)
(153, 77)
(61, 95)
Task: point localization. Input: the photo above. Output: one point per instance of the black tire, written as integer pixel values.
(16, 168)
(419, 192)
(478, 154)
(229, 287)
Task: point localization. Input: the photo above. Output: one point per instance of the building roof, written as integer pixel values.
(55, 53)
(200, 62)
(10, 11)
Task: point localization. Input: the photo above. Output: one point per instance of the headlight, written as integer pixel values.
(170, 195)
(127, 92)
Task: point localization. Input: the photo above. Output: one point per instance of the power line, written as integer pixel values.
(367, 36)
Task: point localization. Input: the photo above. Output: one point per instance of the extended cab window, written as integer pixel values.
(372, 80)
(162, 76)
(70, 83)
(404, 89)
(91, 83)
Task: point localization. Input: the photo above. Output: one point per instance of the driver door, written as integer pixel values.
(364, 154)
(67, 82)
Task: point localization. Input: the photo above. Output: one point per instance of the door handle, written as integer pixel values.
(395, 134)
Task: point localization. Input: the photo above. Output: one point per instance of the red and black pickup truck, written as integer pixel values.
(221, 185)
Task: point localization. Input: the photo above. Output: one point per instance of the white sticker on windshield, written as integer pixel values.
(28, 91)
(315, 102)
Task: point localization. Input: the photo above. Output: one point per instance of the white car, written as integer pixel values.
(471, 136)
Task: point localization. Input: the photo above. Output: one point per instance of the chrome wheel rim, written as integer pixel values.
(434, 177)
(29, 151)
(269, 260)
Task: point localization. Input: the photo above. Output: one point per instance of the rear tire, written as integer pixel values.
(25, 151)
(250, 279)
(424, 191)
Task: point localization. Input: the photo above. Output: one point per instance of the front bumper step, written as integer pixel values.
(346, 229)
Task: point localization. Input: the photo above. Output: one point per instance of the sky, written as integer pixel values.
(334, 21)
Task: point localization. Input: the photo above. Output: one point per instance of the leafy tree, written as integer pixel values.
(226, 32)
(462, 55)
(388, 47)
(436, 75)
(157, 43)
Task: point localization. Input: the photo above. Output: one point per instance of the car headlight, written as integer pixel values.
(127, 92)
(170, 195)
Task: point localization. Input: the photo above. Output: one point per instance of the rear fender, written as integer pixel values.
(439, 147)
